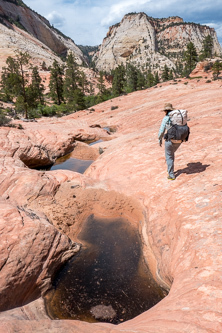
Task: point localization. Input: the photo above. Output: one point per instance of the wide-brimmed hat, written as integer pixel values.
(168, 107)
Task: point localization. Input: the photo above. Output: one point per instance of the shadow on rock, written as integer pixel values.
(192, 168)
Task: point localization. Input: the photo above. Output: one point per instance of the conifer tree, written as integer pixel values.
(171, 75)
(79, 99)
(179, 68)
(37, 87)
(217, 67)
(14, 80)
(83, 82)
(71, 78)
(44, 67)
(11, 79)
(23, 60)
(165, 73)
(140, 80)
(156, 78)
(207, 47)
(131, 78)
(190, 58)
(101, 85)
(119, 80)
(150, 79)
(56, 82)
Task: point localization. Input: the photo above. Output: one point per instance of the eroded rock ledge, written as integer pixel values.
(180, 222)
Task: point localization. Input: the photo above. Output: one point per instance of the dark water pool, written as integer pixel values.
(108, 280)
(69, 163)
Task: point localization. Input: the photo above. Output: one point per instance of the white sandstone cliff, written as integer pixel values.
(150, 43)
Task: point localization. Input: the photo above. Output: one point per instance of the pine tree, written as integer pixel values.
(83, 82)
(150, 79)
(101, 86)
(11, 79)
(217, 67)
(14, 81)
(44, 67)
(79, 99)
(179, 68)
(140, 80)
(71, 78)
(190, 59)
(131, 78)
(56, 82)
(207, 51)
(91, 89)
(156, 78)
(165, 73)
(119, 80)
(171, 75)
(23, 60)
(37, 86)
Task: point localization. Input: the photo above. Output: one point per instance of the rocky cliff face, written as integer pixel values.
(24, 29)
(150, 43)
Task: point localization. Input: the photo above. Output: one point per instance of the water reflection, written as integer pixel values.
(69, 163)
(108, 280)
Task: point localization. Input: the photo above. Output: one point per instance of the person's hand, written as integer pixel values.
(160, 143)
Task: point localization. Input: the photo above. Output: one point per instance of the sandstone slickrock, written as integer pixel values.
(150, 43)
(180, 221)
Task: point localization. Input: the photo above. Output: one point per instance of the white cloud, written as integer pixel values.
(56, 19)
(87, 21)
(118, 10)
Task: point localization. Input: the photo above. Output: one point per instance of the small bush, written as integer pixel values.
(34, 114)
(195, 77)
(114, 107)
(208, 81)
(208, 66)
(20, 126)
(4, 120)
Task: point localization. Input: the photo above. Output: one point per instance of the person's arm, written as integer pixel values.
(162, 129)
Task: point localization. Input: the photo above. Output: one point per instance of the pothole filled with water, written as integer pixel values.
(69, 163)
(107, 280)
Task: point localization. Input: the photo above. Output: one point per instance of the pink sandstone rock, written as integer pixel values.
(179, 221)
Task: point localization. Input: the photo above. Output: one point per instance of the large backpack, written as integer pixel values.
(179, 129)
(178, 117)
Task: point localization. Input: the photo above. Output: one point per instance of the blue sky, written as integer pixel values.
(87, 21)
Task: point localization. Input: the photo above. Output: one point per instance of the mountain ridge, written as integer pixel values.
(18, 17)
(148, 42)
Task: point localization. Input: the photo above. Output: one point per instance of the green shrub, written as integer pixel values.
(4, 120)
(114, 107)
(20, 126)
(35, 113)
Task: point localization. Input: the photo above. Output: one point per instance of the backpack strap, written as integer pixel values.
(181, 116)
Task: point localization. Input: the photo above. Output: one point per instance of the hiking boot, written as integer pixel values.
(171, 178)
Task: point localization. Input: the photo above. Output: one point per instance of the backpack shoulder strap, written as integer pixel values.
(181, 116)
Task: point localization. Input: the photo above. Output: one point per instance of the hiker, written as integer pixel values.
(172, 143)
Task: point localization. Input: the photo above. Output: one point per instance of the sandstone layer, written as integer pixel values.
(179, 221)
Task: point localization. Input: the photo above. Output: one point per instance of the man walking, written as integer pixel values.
(170, 145)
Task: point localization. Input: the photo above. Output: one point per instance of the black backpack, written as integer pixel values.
(178, 132)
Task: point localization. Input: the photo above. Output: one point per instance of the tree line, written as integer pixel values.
(70, 90)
